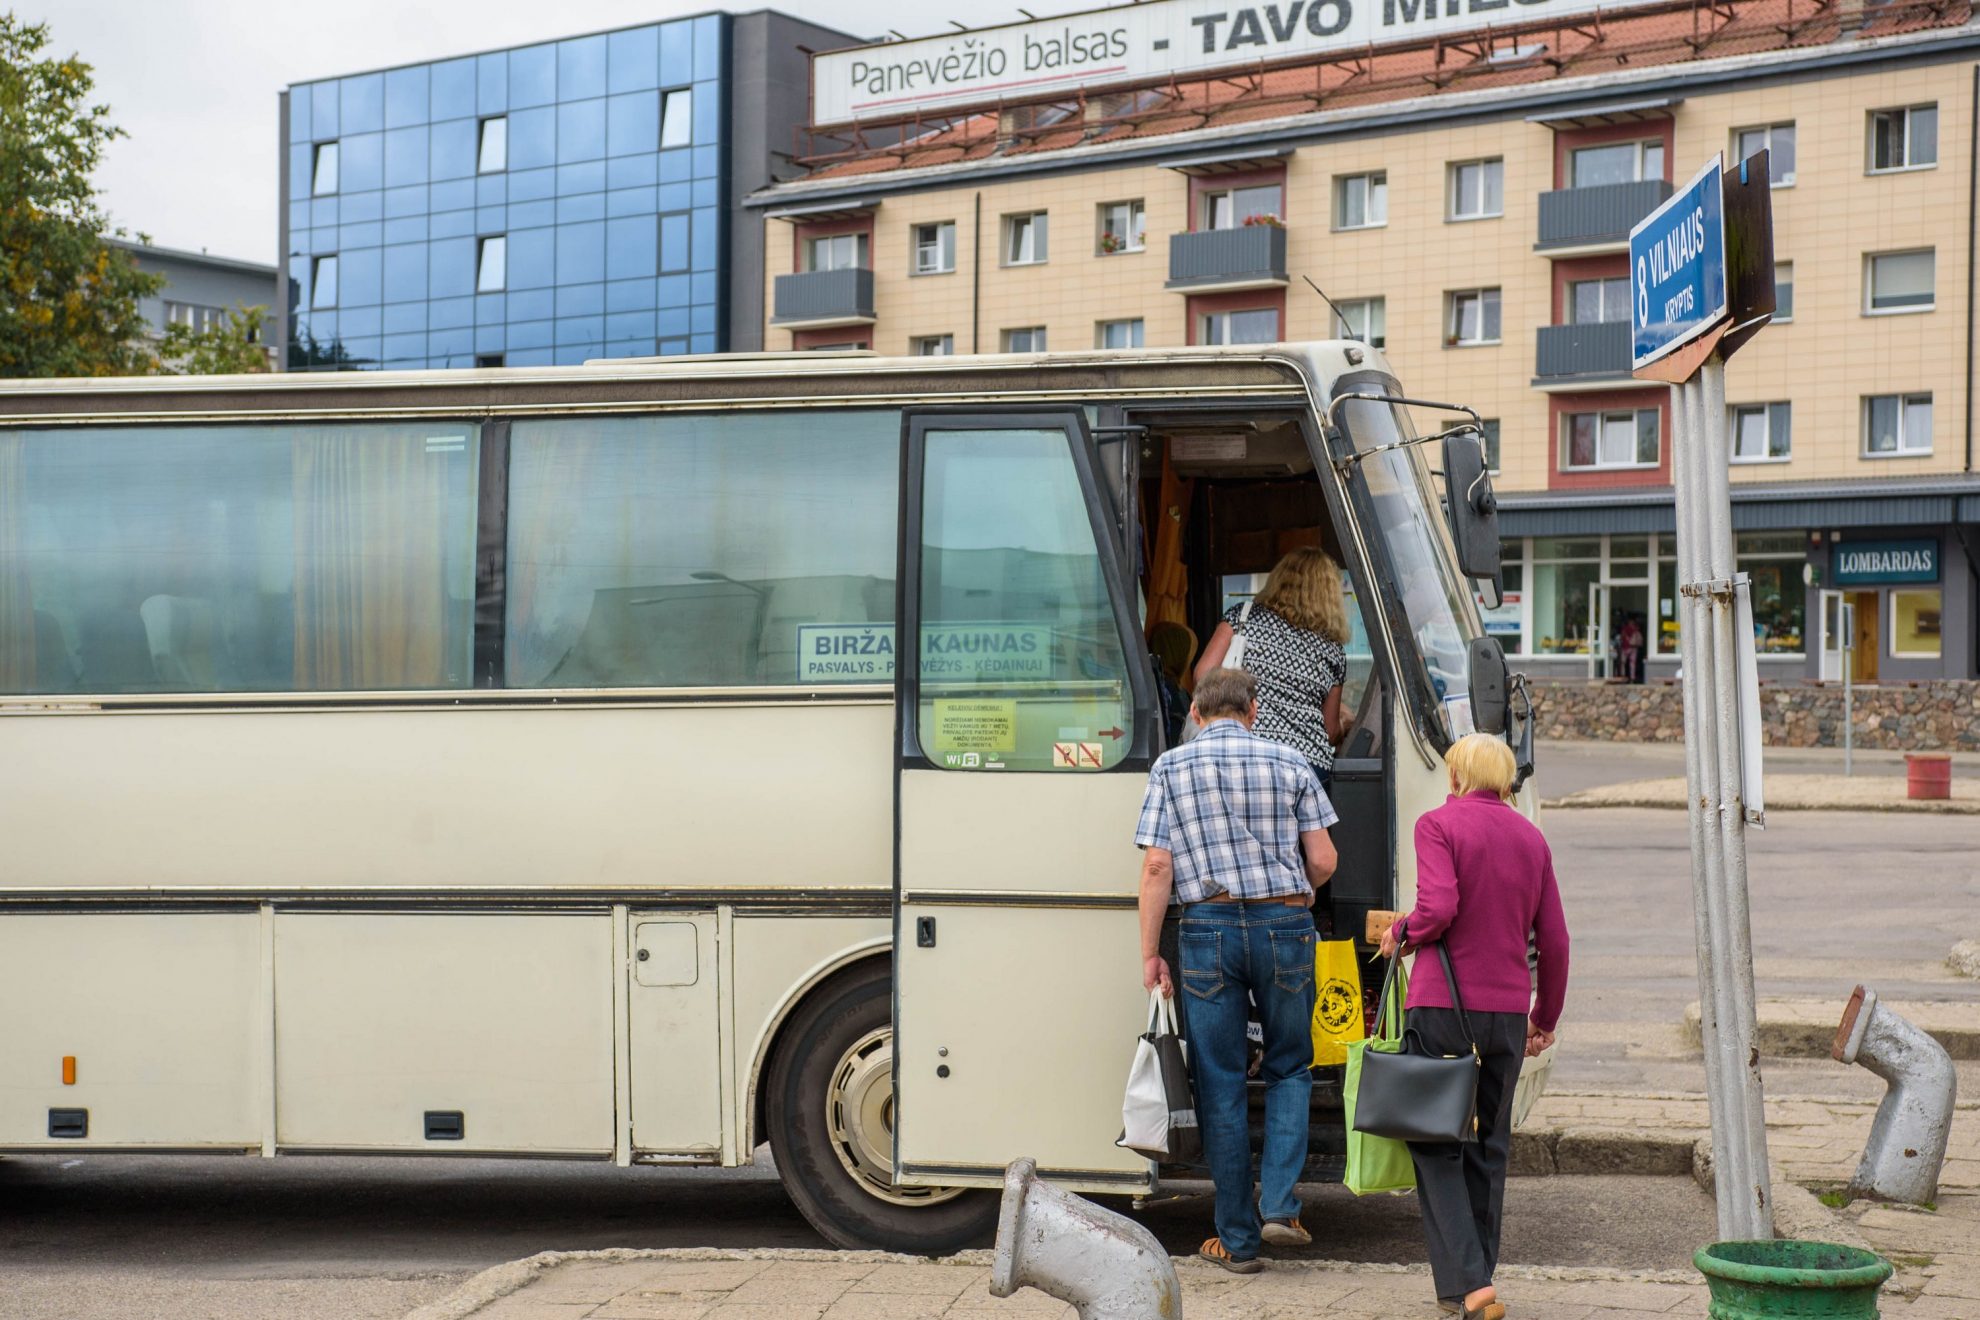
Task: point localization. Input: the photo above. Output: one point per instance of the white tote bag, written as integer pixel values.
(1233, 659)
(1158, 1114)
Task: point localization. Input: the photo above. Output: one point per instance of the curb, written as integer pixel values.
(497, 1282)
(1787, 1034)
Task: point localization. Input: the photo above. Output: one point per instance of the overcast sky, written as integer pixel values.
(194, 82)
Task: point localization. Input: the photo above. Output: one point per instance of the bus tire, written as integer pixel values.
(830, 1115)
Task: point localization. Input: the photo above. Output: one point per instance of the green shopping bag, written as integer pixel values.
(1378, 1164)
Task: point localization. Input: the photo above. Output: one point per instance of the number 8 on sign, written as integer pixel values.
(1642, 294)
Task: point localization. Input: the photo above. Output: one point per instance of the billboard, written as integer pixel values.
(1136, 43)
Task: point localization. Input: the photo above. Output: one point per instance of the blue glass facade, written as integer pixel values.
(545, 204)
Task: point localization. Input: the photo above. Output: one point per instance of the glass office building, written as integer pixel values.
(545, 204)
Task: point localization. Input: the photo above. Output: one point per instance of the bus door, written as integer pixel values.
(1026, 725)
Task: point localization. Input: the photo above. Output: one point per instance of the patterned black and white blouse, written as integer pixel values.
(1295, 670)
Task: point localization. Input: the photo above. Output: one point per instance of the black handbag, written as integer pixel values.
(1413, 1095)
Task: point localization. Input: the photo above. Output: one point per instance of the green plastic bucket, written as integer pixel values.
(1751, 1280)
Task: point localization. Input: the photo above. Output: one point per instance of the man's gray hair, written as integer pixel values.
(1225, 694)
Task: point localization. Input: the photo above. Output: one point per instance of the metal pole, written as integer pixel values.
(1846, 648)
(1718, 817)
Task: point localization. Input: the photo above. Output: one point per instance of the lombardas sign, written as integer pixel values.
(1133, 43)
(1882, 563)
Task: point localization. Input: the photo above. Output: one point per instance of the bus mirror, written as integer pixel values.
(1488, 685)
(1474, 510)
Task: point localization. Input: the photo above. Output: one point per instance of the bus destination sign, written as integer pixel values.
(950, 652)
(1131, 44)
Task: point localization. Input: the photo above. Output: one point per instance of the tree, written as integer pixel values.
(232, 344)
(68, 300)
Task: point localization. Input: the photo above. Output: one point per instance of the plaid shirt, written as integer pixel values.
(1230, 807)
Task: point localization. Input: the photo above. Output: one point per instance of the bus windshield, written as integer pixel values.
(1408, 531)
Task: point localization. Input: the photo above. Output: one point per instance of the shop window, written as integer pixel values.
(1025, 239)
(1232, 208)
(1773, 561)
(1915, 614)
(1616, 162)
(1565, 575)
(1897, 424)
(1897, 282)
(1476, 189)
(1626, 439)
(1361, 201)
(1904, 139)
(1760, 433)
(1365, 319)
(1471, 318)
(1123, 227)
(1775, 139)
(935, 248)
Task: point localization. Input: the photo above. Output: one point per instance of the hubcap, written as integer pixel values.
(859, 1112)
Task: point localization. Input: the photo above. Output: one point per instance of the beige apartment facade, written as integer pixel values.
(1481, 237)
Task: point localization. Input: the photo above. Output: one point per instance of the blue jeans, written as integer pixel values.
(1235, 955)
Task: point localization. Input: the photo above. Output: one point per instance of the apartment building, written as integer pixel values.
(1465, 202)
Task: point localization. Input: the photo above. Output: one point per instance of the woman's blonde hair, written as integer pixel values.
(1478, 760)
(1305, 590)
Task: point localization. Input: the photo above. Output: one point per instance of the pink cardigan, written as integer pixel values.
(1484, 883)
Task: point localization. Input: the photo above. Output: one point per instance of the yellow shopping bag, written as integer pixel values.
(1337, 1002)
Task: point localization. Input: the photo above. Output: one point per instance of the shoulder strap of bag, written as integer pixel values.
(1234, 656)
(1457, 1001)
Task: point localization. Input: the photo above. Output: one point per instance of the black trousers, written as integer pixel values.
(1461, 1186)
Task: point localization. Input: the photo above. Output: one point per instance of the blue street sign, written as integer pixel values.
(1677, 269)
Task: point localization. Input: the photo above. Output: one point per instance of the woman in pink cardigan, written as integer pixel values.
(1484, 888)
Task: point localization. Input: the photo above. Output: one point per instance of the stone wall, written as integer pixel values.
(1942, 715)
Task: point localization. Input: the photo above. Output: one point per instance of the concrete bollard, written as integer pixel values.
(1106, 1265)
(1908, 1136)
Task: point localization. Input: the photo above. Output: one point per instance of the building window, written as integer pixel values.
(1761, 433)
(1915, 614)
(1025, 239)
(1361, 201)
(1897, 282)
(935, 248)
(1118, 334)
(1489, 437)
(492, 270)
(1776, 139)
(493, 156)
(1906, 139)
(835, 252)
(1252, 327)
(1477, 189)
(195, 317)
(932, 346)
(1366, 319)
(1616, 162)
(1897, 424)
(488, 359)
(1597, 302)
(1595, 440)
(1231, 208)
(677, 118)
(323, 178)
(1473, 317)
(1028, 339)
(323, 282)
(1122, 227)
(1783, 291)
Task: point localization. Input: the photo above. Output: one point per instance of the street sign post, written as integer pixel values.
(1701, 282)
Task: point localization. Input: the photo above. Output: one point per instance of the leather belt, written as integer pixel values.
(1285, 900)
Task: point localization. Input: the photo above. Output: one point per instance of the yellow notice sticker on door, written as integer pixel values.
(974, 726)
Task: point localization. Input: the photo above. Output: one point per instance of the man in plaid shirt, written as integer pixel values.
(1236, 827)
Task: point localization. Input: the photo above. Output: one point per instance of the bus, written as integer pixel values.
(523, 762)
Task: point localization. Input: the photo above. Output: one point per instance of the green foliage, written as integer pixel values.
(1834, 1198)
(231, 346)
(68, 300)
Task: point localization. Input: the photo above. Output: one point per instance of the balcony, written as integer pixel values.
(817, 299)
(1214, 260)
(1594, 356)
(1579, 220)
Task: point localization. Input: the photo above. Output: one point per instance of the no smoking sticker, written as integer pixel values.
(1076, 755)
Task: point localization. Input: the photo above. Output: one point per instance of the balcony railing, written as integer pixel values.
(1583, 352)
(1595, 217)
(1248, 257)
(824, 298)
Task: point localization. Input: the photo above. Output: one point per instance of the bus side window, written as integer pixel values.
(1022, 666)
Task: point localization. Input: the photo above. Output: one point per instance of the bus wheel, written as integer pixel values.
(831, 1119)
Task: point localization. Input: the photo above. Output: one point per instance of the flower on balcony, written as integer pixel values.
(1264, 218)
(1110, 243)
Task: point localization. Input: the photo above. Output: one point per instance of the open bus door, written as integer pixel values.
(1026, 724)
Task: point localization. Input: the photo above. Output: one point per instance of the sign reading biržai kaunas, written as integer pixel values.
(1135, 43)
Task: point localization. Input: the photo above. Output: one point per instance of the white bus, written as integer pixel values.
(517, 762)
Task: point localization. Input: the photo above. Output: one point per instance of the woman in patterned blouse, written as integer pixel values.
(1294, 645)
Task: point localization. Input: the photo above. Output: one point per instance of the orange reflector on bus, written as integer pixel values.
(68, 1070)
